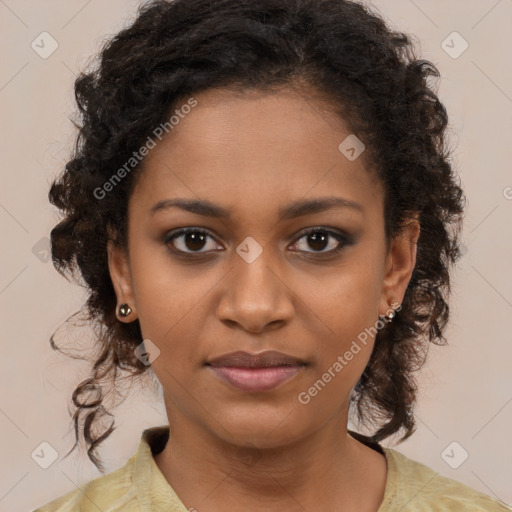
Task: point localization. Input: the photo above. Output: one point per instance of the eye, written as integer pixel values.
(195, 241)
(318, 239)
(190, 240)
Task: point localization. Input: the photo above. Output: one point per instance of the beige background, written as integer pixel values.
(466, 388)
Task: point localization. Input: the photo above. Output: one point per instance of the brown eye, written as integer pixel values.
(191, 240)
(321, 239)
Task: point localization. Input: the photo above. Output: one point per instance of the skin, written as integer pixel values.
(253, 154)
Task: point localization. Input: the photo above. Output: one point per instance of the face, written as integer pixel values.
(285, 251)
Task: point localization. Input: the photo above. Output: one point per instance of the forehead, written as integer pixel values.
(259, 149)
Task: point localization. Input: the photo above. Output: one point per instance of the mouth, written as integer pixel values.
(256, 372)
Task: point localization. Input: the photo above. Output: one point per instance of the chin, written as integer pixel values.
(262, 429)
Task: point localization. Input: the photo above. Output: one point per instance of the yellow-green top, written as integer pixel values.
(139, 486)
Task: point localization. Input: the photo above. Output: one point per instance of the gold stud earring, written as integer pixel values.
(124, 310)
(389, 317)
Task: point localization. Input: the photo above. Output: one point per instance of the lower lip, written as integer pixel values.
(256, 379)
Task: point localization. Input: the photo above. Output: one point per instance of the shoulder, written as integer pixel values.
(412, 486)
(138, 483)
(113, 491)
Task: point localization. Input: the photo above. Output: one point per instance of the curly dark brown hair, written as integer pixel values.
(337, 48)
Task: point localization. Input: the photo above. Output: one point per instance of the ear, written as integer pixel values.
(400, 263)
(120, 275)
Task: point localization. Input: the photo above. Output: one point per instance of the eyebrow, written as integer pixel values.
(293, 210)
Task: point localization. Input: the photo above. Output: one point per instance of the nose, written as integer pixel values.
(256, 297)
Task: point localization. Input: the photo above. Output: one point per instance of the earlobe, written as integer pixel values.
(400, 263)
(119, 270)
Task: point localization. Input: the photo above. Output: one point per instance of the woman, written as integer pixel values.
(262, 207)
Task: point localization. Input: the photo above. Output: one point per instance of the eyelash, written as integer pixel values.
(343, 239)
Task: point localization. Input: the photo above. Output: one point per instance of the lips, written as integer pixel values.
(256, 372)
(241, 359)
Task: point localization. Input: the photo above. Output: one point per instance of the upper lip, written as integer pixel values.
(241, 359)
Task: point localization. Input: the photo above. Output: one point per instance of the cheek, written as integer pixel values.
(346, 299)
(345, 315)
(172, 303)
(160, 291)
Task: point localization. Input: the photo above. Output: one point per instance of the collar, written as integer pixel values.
(155, 493)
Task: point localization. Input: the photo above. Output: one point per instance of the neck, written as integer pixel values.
(319, 472)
